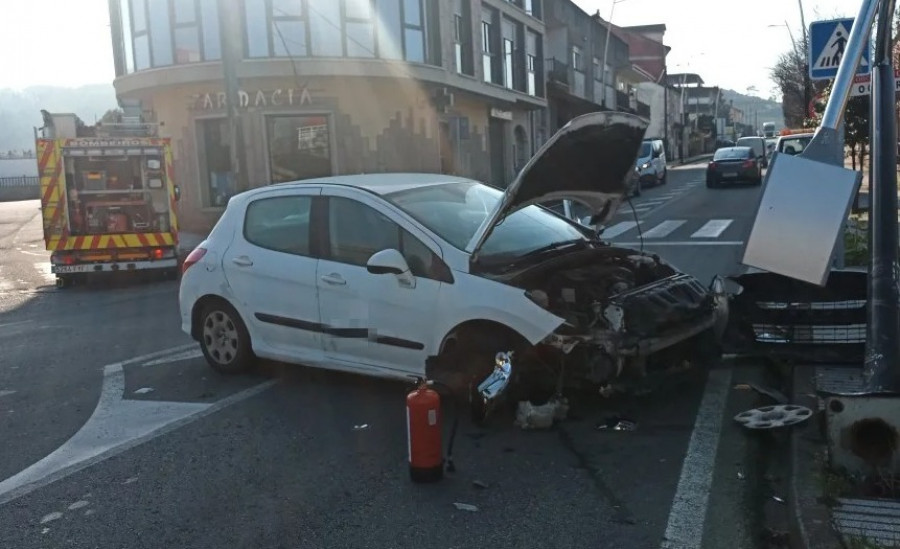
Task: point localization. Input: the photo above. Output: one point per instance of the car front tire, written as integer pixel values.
(224, 339)
(665, 177)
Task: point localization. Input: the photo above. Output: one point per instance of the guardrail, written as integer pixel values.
(22, 181)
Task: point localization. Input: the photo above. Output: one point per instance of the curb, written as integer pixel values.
(695, 159)
(810, 518)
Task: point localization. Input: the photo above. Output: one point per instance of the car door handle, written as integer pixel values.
(334, 279)
(242, 261)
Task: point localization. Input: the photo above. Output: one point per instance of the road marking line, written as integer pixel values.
(685, 243)
(115, 426)
(688, 514)
(712, 229)
(664, 229)
(618, 228)
(186, 355)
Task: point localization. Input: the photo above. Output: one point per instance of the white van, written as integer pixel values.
(758, 144)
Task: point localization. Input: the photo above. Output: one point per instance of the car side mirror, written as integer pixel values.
(177, 191)
(388, 261)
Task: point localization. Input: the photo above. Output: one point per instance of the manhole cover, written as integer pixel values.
(770, 417)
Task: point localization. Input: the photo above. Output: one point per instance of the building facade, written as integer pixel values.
(327, 87)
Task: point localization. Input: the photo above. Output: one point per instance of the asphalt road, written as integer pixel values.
(116, 434)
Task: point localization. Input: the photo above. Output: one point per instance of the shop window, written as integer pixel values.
(299, 147)
(213, 135)
(281, 224)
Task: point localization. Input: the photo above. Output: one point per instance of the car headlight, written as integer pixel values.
(645, 165)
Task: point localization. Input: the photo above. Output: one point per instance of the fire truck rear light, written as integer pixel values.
(158, 253)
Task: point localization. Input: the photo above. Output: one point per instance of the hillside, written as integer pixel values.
(20, 111)
(769, 111)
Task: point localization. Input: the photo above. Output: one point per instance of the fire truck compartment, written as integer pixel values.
(116, 194)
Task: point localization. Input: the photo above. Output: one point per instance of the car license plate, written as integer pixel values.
(729, 174)
(71, 268)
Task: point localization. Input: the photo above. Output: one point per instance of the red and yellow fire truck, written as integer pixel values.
(108, 197)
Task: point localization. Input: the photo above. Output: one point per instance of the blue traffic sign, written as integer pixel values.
(827, 41)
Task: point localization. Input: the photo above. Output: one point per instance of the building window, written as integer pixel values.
(213, 136)
(508, 49)
(141, 35)
(359, 28)
(187, 33)
(128, 45)
(529, 8)
(576, 58)
(413, 31)
(288, 28)
(487, 40)
(160, 33)
(299, 147)
(531, 57)
(325, 28)
(462, 37)
(209, 23)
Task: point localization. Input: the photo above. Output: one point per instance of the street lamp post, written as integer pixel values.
(612, 10)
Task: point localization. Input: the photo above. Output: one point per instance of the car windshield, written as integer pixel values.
(732, 153)
(454, 211)
(795, 145)
(645, 150)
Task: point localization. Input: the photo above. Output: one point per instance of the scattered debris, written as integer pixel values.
(55, 515)
(89, 512)
(529, 416)
(770, 417)
(6, 392)
(465, 507)
(480, 484)
(361, 427)
(78, 505)
(741, 475)
(130, 480)
(143, 390)
(778, 499)
(615, 423)
(774, 394)
(45, 530)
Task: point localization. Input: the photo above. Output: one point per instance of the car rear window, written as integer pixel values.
(732, 153)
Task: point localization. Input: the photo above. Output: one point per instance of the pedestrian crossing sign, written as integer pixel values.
(828, 41)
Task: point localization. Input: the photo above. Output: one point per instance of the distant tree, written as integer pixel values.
(856, 125)
(789, 74)
(112, 116)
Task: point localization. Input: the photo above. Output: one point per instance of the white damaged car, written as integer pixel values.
(409, 275)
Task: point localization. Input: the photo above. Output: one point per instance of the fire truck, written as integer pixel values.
(108, 197)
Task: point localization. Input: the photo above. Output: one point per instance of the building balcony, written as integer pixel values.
(558, 73)
(643, 109)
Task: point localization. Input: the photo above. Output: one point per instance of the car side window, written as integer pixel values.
(279, 223)
(357, 231)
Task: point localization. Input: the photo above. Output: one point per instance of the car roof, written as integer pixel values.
(746, 137)
(796, 135)
(377, 183)
(738, 148)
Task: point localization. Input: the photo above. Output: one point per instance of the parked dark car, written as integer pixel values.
(734, 164)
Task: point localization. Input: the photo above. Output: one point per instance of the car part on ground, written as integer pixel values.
(772, 417)
(786, 319)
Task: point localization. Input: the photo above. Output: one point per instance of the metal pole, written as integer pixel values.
(605, 49)
(882, 364)
(231, 53)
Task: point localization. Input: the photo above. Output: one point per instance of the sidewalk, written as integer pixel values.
(823, 510)
(694, 159)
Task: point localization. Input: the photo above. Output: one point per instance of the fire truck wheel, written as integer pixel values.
(224, 339)
(64, 281)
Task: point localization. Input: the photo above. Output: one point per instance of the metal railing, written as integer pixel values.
(21, 181)
(557, 71)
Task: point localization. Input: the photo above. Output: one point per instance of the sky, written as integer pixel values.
(728, 42)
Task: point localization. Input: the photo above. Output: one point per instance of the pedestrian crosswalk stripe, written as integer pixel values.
(664, 229)
(712, 229)
(618, 228)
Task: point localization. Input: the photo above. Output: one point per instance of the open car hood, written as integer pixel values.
(588, 160)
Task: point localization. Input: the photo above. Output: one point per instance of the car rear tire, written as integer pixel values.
(224, 339)
(710, 184)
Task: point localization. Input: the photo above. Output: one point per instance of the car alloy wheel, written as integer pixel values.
(224, 340)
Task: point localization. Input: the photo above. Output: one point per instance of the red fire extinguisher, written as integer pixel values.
(424, 429)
